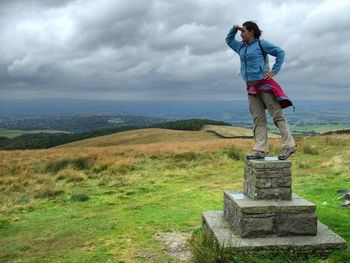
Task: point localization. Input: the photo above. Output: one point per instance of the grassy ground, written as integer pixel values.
(106, 204)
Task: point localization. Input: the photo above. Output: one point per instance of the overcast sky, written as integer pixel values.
(167, 49)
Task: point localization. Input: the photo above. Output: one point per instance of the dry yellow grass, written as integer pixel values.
(22, 172)
(26, 170)
(163, 137)
(109, 148)
(20, 158)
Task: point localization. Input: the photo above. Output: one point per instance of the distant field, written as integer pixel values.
(317, 128)
(15, 133)
(233, 132)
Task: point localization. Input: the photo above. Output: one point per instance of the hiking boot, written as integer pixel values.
(286, 152)
(255, 155)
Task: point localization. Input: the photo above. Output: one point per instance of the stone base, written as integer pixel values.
(323, 243)
(253, 218)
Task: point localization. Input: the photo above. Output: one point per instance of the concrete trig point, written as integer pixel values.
(267, 215)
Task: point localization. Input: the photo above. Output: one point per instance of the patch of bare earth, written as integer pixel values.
(175, 243)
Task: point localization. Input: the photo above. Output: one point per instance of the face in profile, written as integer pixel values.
(246, 35)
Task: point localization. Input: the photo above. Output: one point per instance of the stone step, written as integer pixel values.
(253, 218)
(325, 242)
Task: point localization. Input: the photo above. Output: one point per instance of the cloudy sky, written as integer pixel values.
(166, 49)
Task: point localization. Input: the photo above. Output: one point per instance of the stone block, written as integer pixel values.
(251, 218)
(281, 193)
(267, 179)
(285, 181)
(296, 224)
(262, 173)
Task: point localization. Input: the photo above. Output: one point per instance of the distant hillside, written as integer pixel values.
(160, 135)
(77, 123)
(46, 140)
(188, 125)
(142, 136)
(15, 133)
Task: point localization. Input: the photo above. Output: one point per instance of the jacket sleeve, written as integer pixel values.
(231, 41)
(276, 52)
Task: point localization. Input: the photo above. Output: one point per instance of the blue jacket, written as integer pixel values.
(252, 59)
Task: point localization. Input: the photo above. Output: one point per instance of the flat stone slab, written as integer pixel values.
(248, 205)
(323, 243)
(253, 218)
(268, 162)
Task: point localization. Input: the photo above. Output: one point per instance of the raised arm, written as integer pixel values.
(231, 41)
(276, 52)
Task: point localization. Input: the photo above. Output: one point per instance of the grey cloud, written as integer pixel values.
(45, 3)
(111, 23)
(166, 48)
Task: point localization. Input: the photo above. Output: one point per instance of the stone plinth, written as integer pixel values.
(267, 179)
(254, 218)
(268, 216)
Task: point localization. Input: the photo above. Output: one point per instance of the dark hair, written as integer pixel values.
(252, 26)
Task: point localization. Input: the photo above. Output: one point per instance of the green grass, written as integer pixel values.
(113, 214)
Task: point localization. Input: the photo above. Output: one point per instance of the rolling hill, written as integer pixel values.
(141, 136)
(108, 198)
(158, 135)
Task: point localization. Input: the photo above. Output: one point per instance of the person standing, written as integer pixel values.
(263, 92)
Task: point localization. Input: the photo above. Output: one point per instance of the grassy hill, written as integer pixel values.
(44, 140)
(158, 135)
(142, 136)
(110, 198)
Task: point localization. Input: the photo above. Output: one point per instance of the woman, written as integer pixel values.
(263, 91)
